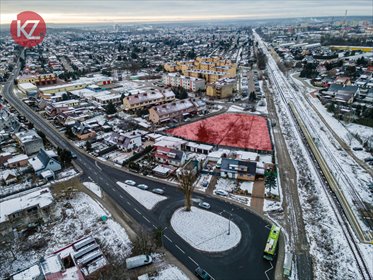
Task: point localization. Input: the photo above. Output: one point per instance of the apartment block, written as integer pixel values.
(145, 99)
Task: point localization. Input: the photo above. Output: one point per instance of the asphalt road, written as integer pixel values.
(243, 262)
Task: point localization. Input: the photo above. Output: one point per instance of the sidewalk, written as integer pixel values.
(257, 196)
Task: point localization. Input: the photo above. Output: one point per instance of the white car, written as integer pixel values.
(204, 205)
(142, 186)
(130, 182)
(221, 192)
(158, 191)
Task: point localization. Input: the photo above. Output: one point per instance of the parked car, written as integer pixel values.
(142, 186)
(357, 148)
(130, 182)
(138, 261)
(158, 191)
(202, 274)
(221, 192)
(368, 159)
(204, 205)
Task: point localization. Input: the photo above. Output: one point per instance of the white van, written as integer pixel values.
(138, 261)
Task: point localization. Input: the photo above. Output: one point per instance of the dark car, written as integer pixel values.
(357, 148)
(202, 274)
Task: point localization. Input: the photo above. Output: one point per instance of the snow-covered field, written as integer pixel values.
(93, 188)
(146, 198)
(205, 230)
(72, 219)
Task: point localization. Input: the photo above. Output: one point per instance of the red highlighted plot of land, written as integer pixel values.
(233, 130)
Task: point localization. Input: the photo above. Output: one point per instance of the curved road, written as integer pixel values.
(243, 262)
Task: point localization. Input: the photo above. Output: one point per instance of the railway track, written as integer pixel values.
(332, 197)
(325, 177)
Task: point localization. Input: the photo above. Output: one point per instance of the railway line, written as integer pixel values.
(341, 208)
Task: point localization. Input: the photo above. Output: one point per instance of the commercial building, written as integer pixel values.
(29, 89)
(38, 80)
(189, 83)
(145, 99)
(47, 92)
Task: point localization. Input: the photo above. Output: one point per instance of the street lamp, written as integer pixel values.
(229, 221)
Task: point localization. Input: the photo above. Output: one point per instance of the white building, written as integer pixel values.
(189, 83)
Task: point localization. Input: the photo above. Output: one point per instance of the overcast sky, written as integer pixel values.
(82, 11)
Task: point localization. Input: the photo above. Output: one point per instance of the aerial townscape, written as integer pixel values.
(176, 140)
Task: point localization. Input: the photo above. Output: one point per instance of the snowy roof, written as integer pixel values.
(17, 158)
(172, 107)
(40, 198)
(27, 136)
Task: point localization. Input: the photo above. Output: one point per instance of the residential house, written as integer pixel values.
(8, 121)
(30, 141)
(125, 141)
(237, 169)
(17, 161)
(83, 132)
(170, 156)
(4, 157)
(340, 94)
(45, 161)
(8, 176)
(24, 210)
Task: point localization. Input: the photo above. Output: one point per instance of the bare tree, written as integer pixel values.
(186, 179)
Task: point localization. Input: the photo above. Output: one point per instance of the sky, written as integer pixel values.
(107, 11)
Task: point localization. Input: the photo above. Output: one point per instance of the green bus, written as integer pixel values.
(271, 245)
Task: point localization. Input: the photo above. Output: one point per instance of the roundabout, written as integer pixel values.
(205, 231)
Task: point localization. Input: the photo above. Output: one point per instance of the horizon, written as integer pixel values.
(144, 11)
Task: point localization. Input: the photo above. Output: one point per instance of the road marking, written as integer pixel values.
(146, 219)
(128, 203)
(167, 238)
(121, 196)
(137, 211)
(180, 249)
(98, 166)
(193, 261)
(265, 272)
(154, 226)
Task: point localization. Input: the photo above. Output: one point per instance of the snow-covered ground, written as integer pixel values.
(225, 184)
(246, 186)
(72, 218)
(146, 198)
(205, 230)
(170, 273)
(270, 205)
(93, 188)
